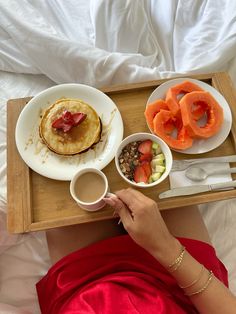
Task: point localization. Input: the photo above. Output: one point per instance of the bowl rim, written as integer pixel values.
(127, 140)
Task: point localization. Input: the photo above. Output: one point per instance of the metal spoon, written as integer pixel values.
(199, 173)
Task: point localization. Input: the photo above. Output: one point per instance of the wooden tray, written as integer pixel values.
(37, 203)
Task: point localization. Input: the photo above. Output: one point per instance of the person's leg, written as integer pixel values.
(182, 222)
(186, 222)
(65, 240)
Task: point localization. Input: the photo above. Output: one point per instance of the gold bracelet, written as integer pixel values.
(176, 264)
(195, 281)
(204, 287)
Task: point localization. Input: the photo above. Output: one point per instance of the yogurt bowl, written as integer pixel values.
(143, 160)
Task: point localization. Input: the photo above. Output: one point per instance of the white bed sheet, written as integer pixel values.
(100, 43)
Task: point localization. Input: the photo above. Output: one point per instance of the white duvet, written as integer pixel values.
(101, 43)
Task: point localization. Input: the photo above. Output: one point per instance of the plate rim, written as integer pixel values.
(50, 90)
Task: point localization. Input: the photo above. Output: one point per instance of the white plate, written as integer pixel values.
(39, 158)
(199, 146)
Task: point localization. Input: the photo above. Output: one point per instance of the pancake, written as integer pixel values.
(79, 138)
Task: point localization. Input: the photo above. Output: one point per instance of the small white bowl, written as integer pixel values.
(142, 137)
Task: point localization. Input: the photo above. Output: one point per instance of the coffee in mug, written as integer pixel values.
(88, 188)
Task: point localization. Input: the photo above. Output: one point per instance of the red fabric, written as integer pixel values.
(117, 276)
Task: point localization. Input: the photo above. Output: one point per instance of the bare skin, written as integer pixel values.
(136, 212)
(183, 222)
(65, 240)
(186, 222)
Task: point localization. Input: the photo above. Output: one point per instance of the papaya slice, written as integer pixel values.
(199, 110)
(152, 109)
(182, 140)
(174, 92)
(214, 114)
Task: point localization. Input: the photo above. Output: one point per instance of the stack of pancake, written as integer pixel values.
(79, 138)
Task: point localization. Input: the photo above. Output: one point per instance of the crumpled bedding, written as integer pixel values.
(102, 43)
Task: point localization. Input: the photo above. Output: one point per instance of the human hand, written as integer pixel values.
(142, 220)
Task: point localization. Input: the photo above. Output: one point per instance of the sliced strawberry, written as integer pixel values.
(58, 123)
(67, 117)
(61, 124)
(146, 157)
(145, 147)
(140, 175)
(68, 120)
(78, 118)
(147, 168)
(67, 127)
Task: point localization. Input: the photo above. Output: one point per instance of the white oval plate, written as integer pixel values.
(39, 158)
(199, 146)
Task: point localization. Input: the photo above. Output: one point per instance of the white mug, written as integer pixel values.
(89, 206)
